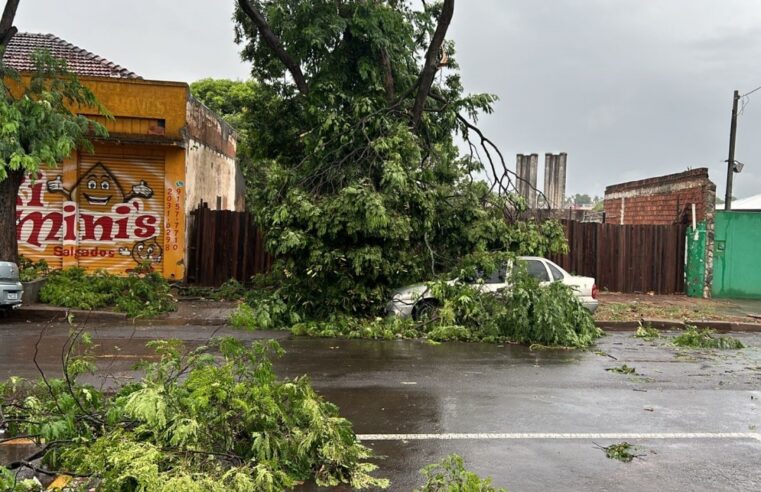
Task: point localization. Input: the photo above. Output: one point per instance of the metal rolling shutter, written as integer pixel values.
(121, 212)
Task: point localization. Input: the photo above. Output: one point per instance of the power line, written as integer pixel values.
(751, 92)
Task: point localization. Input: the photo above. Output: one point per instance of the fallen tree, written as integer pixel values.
(355, 172)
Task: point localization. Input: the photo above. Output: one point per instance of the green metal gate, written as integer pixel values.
(696, 260)
(737, 255)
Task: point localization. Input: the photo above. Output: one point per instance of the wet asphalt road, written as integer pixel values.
(695, 416)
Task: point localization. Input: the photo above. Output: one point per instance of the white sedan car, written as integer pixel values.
(417, 301)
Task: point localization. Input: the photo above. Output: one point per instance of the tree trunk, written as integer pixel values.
(275, 44)
(9, 188)
(431, 66)
(7, 31)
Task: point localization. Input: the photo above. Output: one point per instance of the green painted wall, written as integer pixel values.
(737, 255)
(696, 261)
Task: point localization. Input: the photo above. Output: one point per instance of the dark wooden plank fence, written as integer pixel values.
(224, 245)
(627, 258)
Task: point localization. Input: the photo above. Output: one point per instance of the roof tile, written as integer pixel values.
(82, 62)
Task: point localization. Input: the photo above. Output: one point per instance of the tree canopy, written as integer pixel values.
(39, 127)
(359, 185)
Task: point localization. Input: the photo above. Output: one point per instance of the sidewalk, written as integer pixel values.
(626, 311)
(190, 312)
(616, 312)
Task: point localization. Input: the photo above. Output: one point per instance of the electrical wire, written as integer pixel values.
(751, 92)
(745, 100)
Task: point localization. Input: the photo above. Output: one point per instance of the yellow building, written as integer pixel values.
(126, 204)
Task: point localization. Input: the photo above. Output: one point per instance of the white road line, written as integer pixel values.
(579, 436)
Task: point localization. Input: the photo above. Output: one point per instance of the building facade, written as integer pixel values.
(126, 204)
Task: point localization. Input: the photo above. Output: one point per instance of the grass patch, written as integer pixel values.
(136, 295)
(647, 332)
(706, 339)
(624, 369)
(451, 476)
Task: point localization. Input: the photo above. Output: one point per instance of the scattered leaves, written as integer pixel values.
(706, 339)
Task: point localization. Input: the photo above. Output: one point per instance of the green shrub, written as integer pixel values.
(30, 270)
(706, 339)
(213, 419)
(451, 476)
(135, 295)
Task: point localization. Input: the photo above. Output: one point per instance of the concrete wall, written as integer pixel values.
(212, 173)
(663, 200)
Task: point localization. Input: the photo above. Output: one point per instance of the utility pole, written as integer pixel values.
(731, 159)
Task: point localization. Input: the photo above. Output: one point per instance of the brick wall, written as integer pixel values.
(662, 200)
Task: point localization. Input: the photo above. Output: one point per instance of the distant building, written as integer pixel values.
(662, 200)
(127, 203)
(750, 203)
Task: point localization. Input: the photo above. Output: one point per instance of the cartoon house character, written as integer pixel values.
(101, 188)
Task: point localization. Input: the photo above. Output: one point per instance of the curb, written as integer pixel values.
(54, 313)
(45, 313)
(665, 324)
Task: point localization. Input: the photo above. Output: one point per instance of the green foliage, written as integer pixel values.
(9, 483)
(32, 270)
(41, 121)
(647, 332)
(212, 419)
(137, 295)
(232, 290)
(528, 313)
(623, 452)
(706, 339)
(354, 199)
(623, 369)
(451, 476)
(550, 316)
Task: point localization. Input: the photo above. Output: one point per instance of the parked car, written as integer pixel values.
(417, 300)
(11, 289)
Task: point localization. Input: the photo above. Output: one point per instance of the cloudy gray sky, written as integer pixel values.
(629, 88)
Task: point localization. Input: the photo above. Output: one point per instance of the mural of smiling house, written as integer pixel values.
(126, 205)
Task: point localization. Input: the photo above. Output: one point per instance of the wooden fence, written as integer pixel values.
(224, 245)
(627, 258)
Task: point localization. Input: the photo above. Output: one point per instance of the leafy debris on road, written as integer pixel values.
(624, 369)
(623, 452)
(451, 476)
(706, 339)
(214, 419)
(647, 332)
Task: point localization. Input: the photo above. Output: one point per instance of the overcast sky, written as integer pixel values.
(629, 88)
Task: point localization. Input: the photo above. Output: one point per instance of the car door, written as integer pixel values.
(556, 273)
(537, 269)
(495, 282)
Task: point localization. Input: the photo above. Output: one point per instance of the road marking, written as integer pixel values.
(578, 436)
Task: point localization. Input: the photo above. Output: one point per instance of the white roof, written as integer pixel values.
(750, 203)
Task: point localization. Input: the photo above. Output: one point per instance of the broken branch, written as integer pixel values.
(275, 44)
(431, 66)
